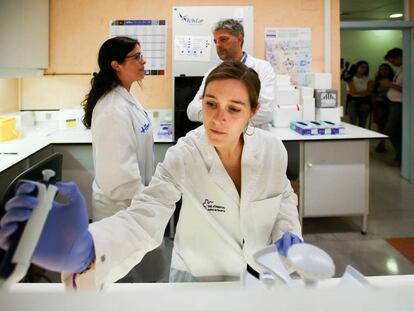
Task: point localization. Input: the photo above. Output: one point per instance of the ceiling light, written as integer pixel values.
(396, 15)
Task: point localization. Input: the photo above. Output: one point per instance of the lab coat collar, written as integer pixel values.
(250, 165)
(127, 96)
(249, 60)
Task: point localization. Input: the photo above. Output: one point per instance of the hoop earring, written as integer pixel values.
(247, 128)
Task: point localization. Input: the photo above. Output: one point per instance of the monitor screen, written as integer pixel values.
(185, 88)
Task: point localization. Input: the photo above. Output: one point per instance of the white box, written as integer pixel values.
(321, 80)
(287, 97)
(284, 114)
(308, 104)
(328, 114)
(306, 91)
(282, 80)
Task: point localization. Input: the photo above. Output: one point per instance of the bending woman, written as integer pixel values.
(236, 199)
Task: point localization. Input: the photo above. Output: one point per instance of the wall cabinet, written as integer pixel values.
(24, 37)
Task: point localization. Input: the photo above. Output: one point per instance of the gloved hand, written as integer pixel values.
(286, 241)
(65, 244)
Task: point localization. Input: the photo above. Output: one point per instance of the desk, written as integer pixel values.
(333, 181)
(76, 146)
(333, 172)
(389, 293)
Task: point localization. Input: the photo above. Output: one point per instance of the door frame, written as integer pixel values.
(407, 28)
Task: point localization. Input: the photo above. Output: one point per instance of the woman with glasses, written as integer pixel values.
(122, 139)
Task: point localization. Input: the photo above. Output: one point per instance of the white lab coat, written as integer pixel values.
(123, 152)
(218, 230)
(264, 117)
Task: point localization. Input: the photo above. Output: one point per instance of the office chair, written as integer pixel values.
(53, 162)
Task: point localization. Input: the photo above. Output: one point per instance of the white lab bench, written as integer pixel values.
(333, 169)
(74, 143)
(387, 293)
(333, 172)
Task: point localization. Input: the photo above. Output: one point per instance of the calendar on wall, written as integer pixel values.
(152, 35)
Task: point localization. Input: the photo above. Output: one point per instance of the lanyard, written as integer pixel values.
(244, 58)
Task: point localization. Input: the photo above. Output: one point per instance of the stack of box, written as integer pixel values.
(287, 102)
(325, 97)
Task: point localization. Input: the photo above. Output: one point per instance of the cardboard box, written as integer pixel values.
(321, 80)
(308, 105)
(282, 80)
(306, 91)
(328, 114)
(287, 97)
(284, 114)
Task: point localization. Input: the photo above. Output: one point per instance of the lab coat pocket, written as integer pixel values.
(263, 215)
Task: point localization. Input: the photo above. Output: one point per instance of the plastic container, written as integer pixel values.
(8, 129)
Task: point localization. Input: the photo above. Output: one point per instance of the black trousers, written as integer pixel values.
(394, 127)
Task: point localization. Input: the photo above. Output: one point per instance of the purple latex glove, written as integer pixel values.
(286, 241)
(65, 244)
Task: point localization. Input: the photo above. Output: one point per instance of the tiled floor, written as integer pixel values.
(391, 215)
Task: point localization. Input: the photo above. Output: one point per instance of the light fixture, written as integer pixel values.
(396, 15)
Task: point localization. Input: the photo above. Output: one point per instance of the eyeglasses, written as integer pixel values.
(139, 56)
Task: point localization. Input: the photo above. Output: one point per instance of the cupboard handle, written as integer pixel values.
(309, 165)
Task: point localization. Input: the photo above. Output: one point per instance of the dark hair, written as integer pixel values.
(391, 72)
(378, 77)
(106, 79)
(362, 62)
(236, 70)
(393, 53)
(232, 25)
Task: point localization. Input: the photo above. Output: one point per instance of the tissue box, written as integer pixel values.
(284, 114)
(320, 80)
(8, 128)
(287, 97)
(303, 128)
(333, 128)
(328, 114)
(326, 98)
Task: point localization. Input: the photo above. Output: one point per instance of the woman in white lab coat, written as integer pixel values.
(236, 199)
(122, 139)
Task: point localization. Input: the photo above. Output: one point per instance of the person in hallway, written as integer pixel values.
(232, 204)
(380, 101)
(359, 90)
(394, 94)
(228, 38)
(122, 139)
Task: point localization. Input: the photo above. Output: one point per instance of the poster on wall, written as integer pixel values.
(152, 35)
(289, 50)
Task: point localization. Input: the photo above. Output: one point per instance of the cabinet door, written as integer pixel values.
(24, 34)
(336, 178)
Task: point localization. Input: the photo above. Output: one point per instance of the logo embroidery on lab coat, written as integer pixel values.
(208, 205)
(145, 128)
